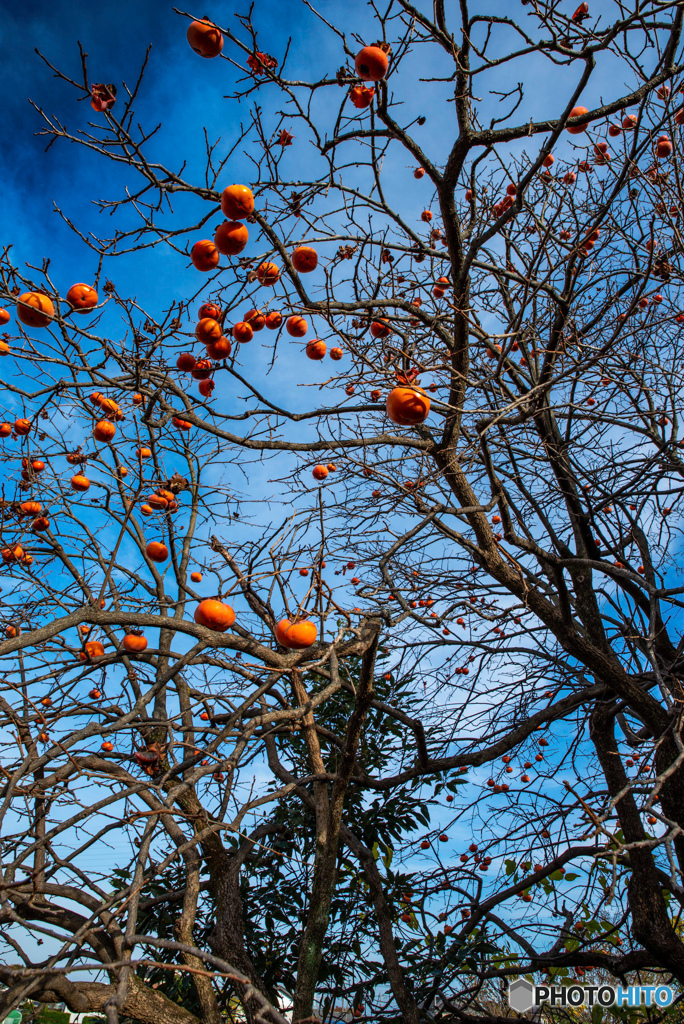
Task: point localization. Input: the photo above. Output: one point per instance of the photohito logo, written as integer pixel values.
(523, 995)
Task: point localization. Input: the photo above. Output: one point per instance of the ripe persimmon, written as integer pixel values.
(316, 348)
(220, 349)
(371, 63)
(196, 577)
(93, 649)
(380, 328)
(336, 353)
(207, 330)
(202, 369)
(304, 259)
(214, 615)
(296, 326)
(578, 129)
(104, 431)
(255, 318)
(209, 309)
(242, 332)
(4, 317)
(407, 406)
(205, 39)
(81, 297)
(267, 274)
(134, 643)
(156, 551)
(273, 319)
(35, 309)
(295, 636)
(237, 202)
(204, 255)
(22, 427)
(231, 237)
(185, 362)
(320, 472)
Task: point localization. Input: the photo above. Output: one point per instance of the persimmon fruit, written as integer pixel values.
(204, 38)
(371, 63)
(237, 202)
(204, 255)
(231, 237)
(214, 615)
(296, 636)
(81, 297)
(407, 406)
(35, 309)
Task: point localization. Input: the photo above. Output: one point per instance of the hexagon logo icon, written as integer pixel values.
(521, 995)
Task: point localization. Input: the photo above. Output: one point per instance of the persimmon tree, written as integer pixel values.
(342, 592)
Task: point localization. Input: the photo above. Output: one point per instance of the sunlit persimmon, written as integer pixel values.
(295, 636)
(204, 255)
(361, 96)
(82, 297)
(156, 551)
(296, 326)
(35, 309)
(316, 348)
(380, 328)
(220, 349)
(137, 399)
(336, 353)
(207, 330)
(185, 362)
(15, 553)
(93, 649)
(147, 510)
(4, 317)
(206, 388)
(205, 38)
(578, 129)
(180, 424)
(12, 631)
(22, 427)
(214, 615)
(202, 369)
(274, 319)
(231, 237)
(104, 431)
(237, 202)
(134, 643)
(371, 63)
(5, 429)
(80, 482)
(320, 472)
(242, 332)
(196, 577)
(40, 524)
(268, 274)
(209, 309)
(304, 259)
(158, 501)
(407, 406)
(31, 508)
(255, 318)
